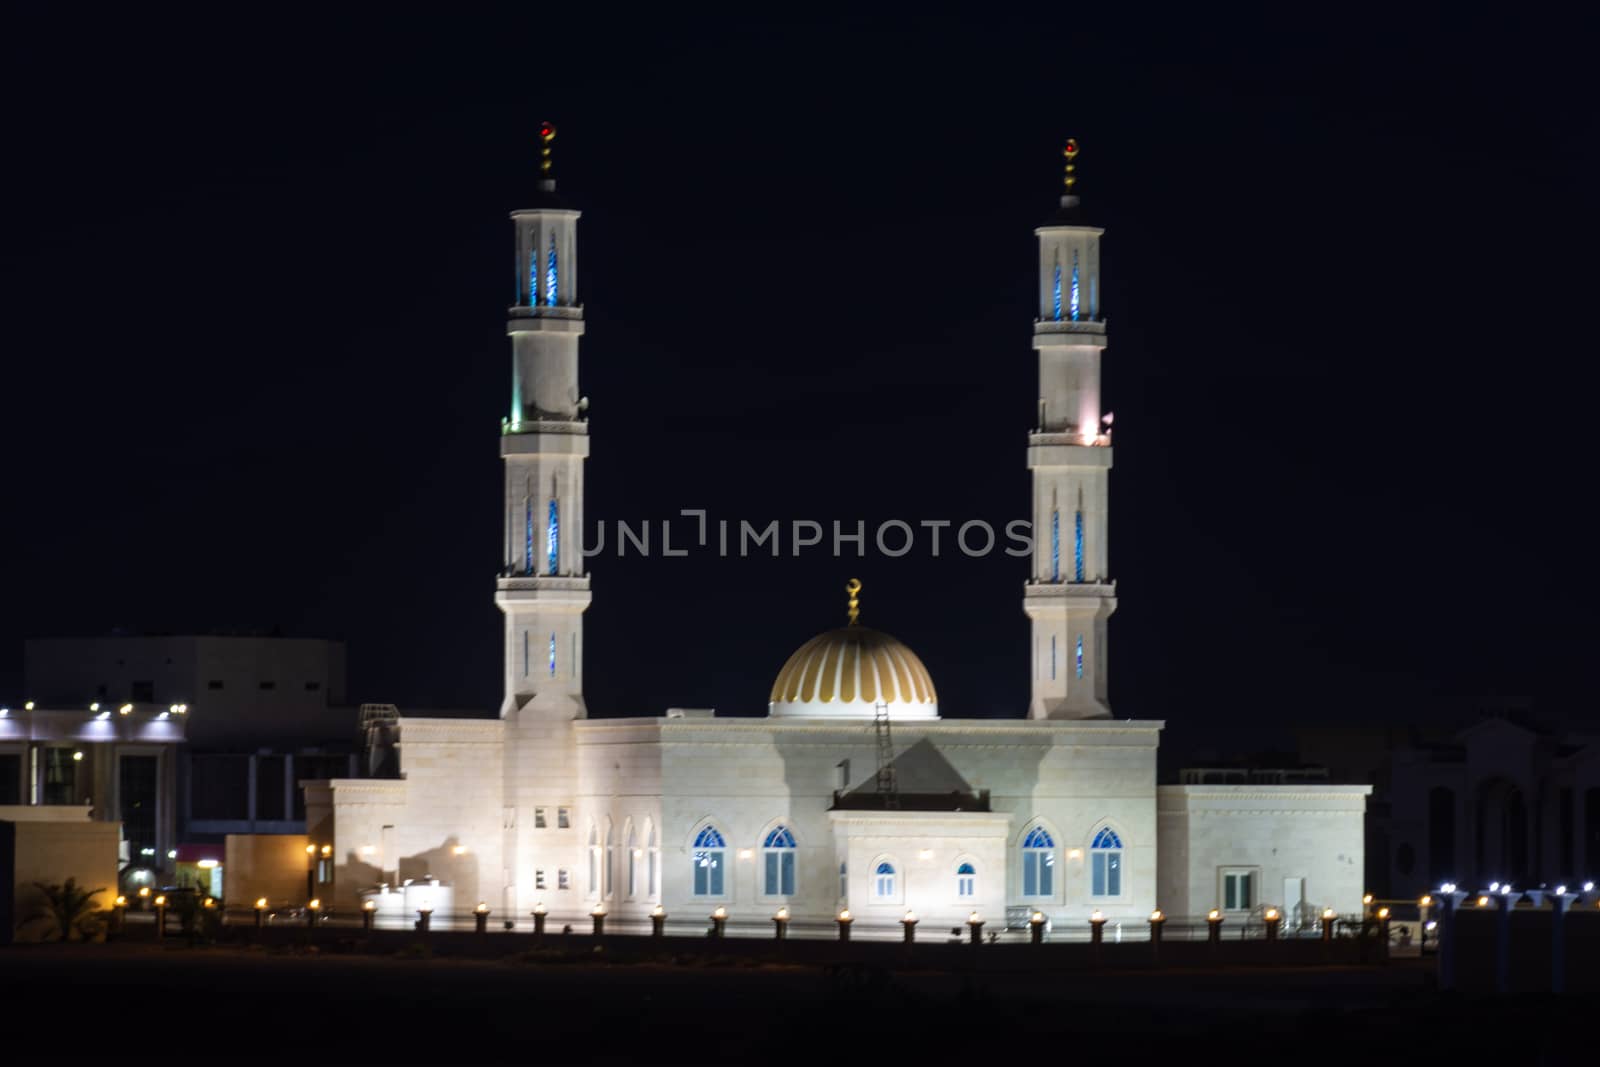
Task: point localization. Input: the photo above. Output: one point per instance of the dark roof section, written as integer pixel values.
(1069, 213)
(956, 801)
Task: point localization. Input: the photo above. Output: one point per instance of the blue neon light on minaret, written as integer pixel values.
(1055, 546)
(553, 536)
(1077, 546)
(550, 289)
(527, 551)
(1074, 286)
(1058, 290)
(1080, 656)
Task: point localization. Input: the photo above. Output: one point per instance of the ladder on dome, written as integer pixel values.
(887, 788)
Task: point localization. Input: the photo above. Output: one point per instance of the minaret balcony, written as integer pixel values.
(1096, 590)
(544, 319)
(1050, 333)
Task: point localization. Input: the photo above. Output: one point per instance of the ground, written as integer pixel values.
(146, 1002)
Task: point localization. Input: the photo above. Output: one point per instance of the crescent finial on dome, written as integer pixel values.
(853, 587)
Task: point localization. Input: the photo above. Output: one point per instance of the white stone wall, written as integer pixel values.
(925, 849)
(1308, 832)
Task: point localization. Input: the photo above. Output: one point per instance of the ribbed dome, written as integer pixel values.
(846, 673)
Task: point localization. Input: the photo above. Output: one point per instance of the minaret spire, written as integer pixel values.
(1070, 456)
(547, 173)
(853, 588)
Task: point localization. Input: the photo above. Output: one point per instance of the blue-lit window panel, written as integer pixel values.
(1105, 864)
(1058, 290)
(1079, 657)
(1077, 546)
(553, 536)
(780, 837)
(1055, 546)
(1106, 838)
(527, 548)
(1074, 287)
(1094, 295)
(551, 289)
(779, 860)
(709, 854)
(533, 271)
(710, 837)
(883, 885)
(552, 655)
(1038, 863)
(966, 881)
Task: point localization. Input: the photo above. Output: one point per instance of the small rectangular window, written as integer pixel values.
(215, 683)
(538, 878)
(269, 685)
(1238, 890)
(563, 819)
(562, 881)
(538, 819)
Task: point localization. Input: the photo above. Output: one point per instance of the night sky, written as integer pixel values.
(256, 273)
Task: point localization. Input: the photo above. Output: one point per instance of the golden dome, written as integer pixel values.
(846, 673)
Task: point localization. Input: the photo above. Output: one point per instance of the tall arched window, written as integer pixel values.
(652, 859)
(1105, 864)
(552, 655)
(594, 859)
(1079, 654)
(710, 851)
(844, 881)
(966, 881)
(778, 857)
(1055, 545)
(1077, 545)
(1074, 286)
(611, 860)
(1038, 863)
(630, 846)
(883, 881)
(550, 288)
(552, 536)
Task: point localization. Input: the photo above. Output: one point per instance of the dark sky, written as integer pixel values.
(255, 277)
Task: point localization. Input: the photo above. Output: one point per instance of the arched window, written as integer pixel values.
(1038, 863)
(844, 881)
(1074, 286)
(1077, 545)
(611, 859)
(778, 856)
(552, 655)
(652, 858)
(527, 552)
(550, 288)
(1079, 655)
(966, 881)
(552, 536)
(710, 851)
(629, 845)
(1105, 864)
(1055, 545)
(883, 884)
(594, 859)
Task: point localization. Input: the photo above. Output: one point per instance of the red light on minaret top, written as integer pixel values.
(546, 131)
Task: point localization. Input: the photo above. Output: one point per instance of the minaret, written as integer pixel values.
(542, 588)
(1069, 598)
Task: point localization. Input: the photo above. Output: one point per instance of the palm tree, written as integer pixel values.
(70, 907)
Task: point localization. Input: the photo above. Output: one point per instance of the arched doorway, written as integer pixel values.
(1503, 831)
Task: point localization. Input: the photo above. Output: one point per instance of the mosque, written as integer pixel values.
(853, 792)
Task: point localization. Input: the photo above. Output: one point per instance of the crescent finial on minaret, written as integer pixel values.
(1070, 180)
(853, 587)
(547, 133)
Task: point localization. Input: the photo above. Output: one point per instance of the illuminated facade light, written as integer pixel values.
(1074, 286)
(551, 290)
(1077, 546)
(207, 865)
(125, 709)
(77, 756)
(553, 537)
(1055, 546)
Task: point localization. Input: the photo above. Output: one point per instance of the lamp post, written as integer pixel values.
(909, 924)
(119, 910)
(261, 912)
(975, 928)
(1214, 927)
(480, 918)
(1097, 926)
(312, 910)
(161, 917)
(658, 921)
(1328, 917)
(144, 897)
(1157, 921)
(1366, 905)
(1382, 915)
(844, 919)
(719, 922)
(369, 910)
(538, 919)
(598, 915)
(1036, 927)
(311, 871)
(425, 916)
(1271, 919)
(780, 924)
